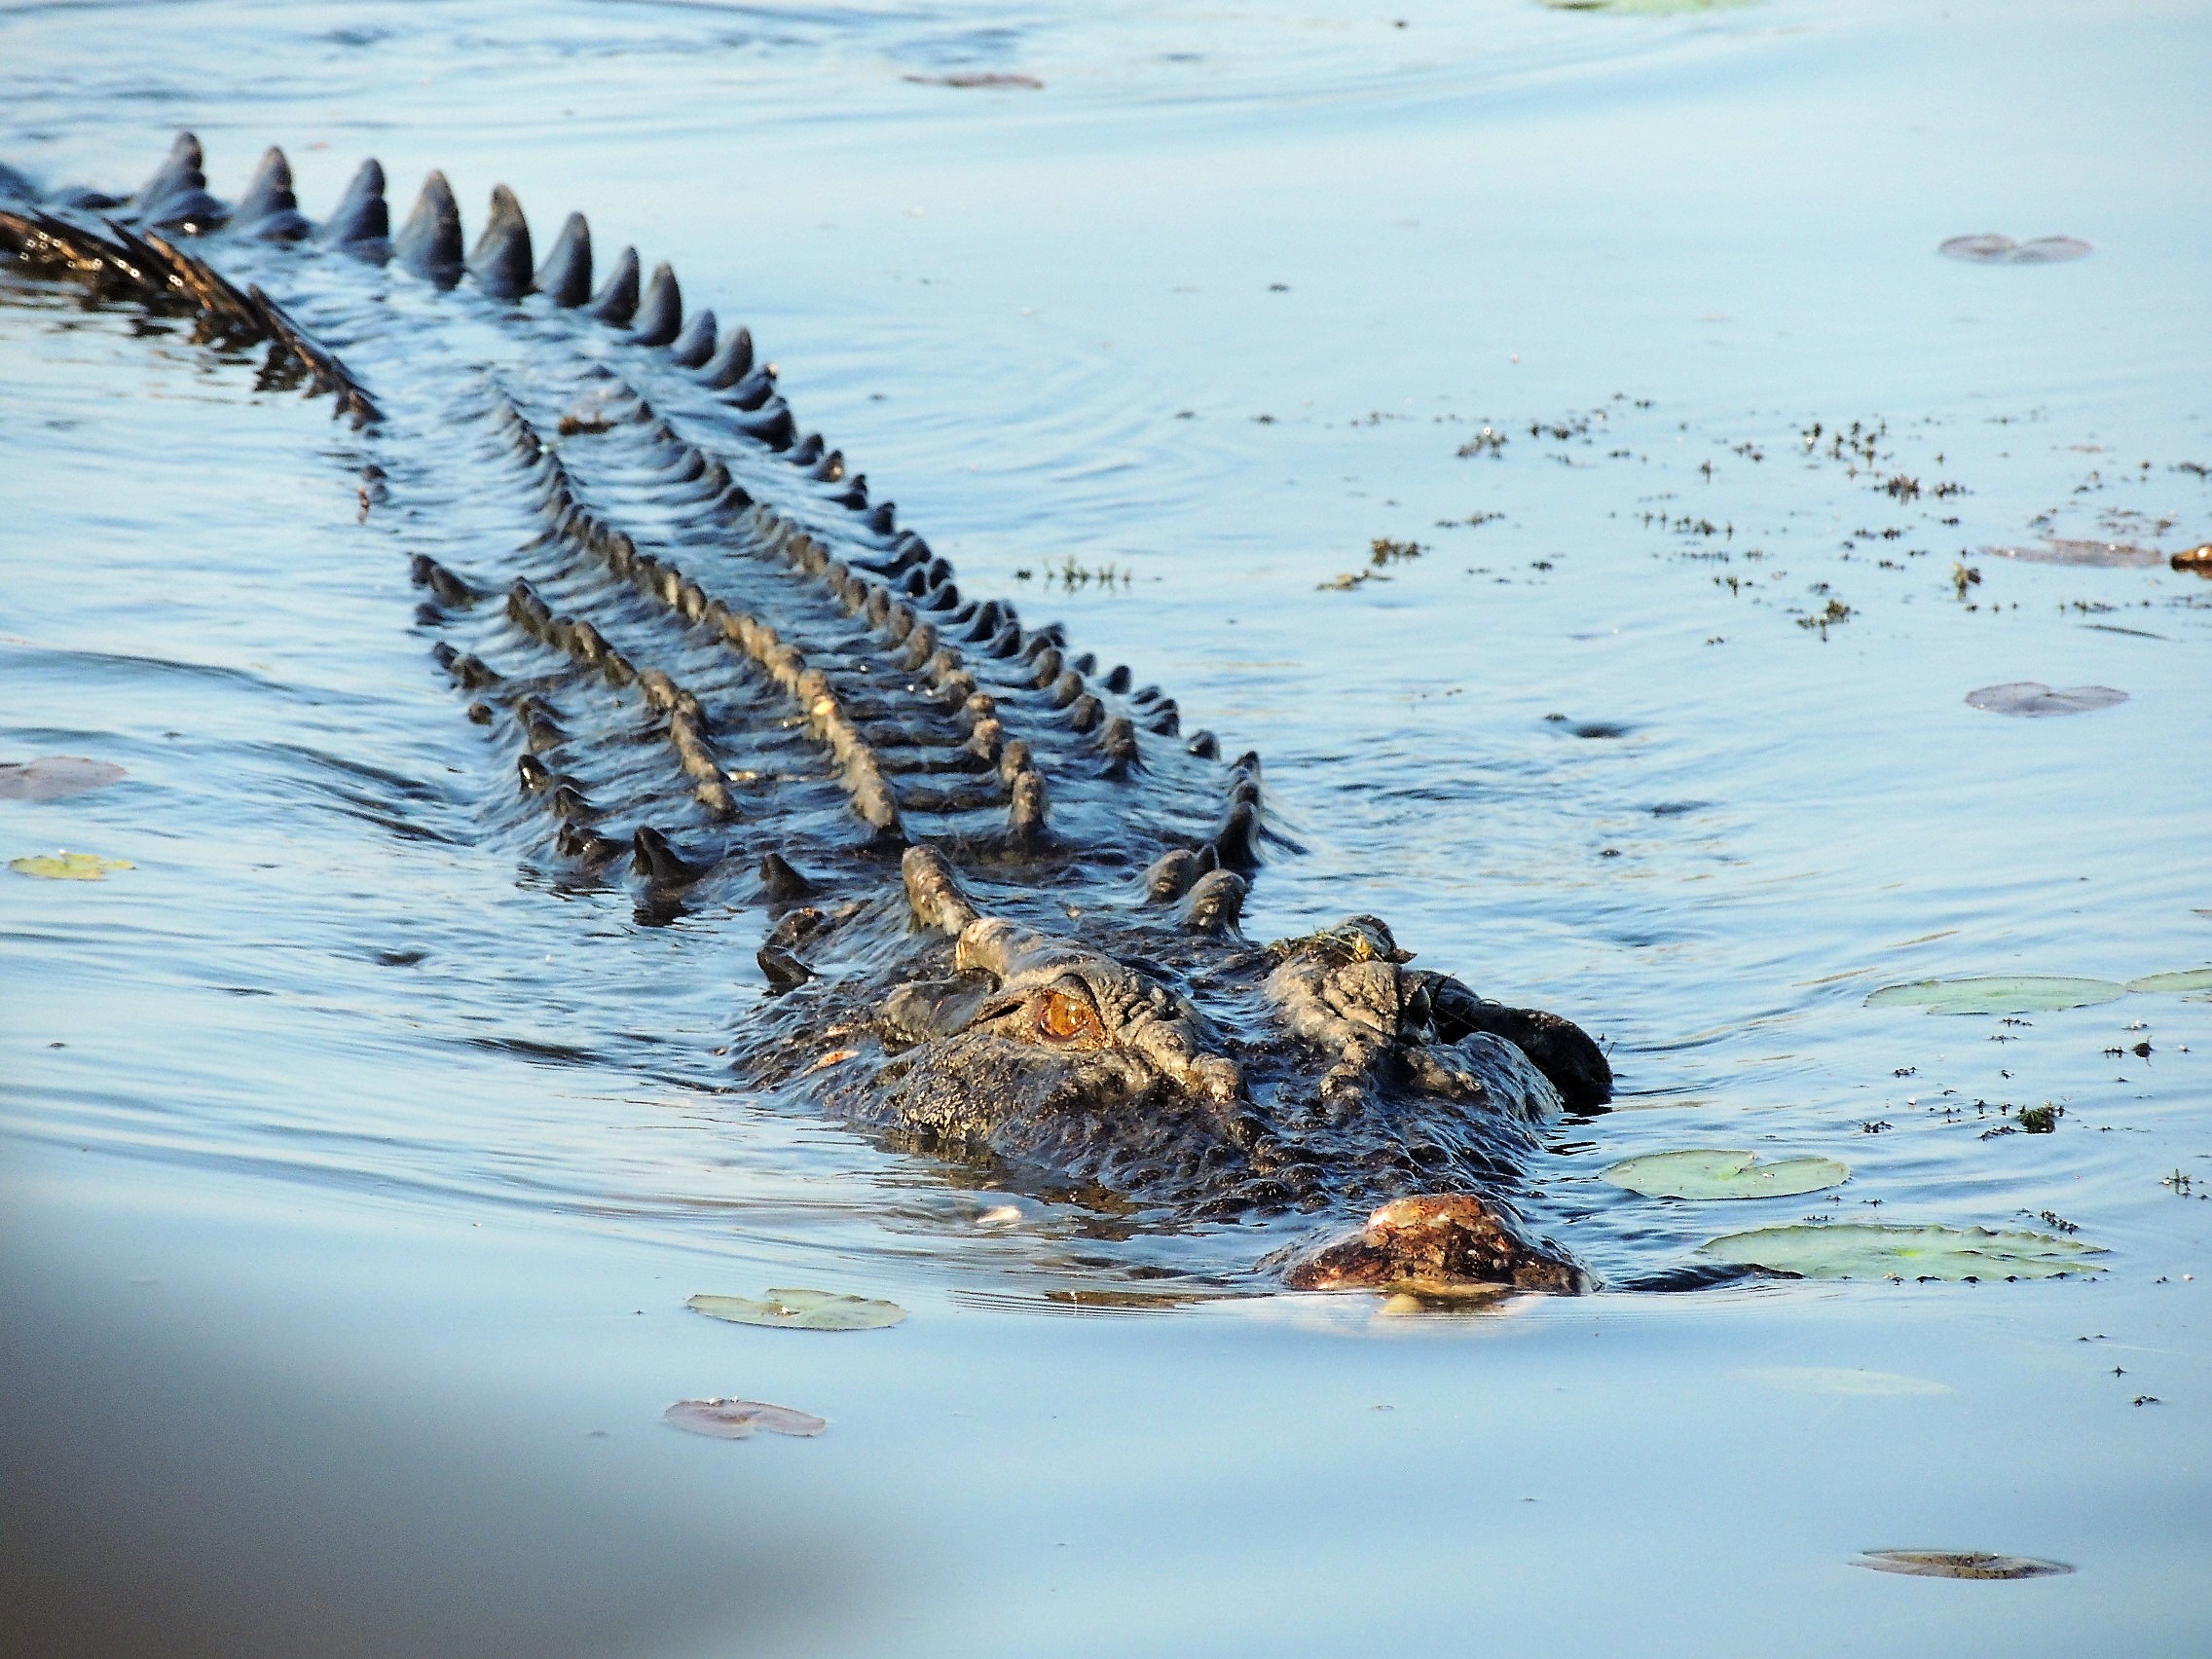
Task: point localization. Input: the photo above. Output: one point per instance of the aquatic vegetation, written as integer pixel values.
(1998, 993)
(55, 777)
(2035, 700)
(802, 1311)
(737, 1420)
(68, 867)
(1702, 1174)
(1845, 1251)
(2188, 980)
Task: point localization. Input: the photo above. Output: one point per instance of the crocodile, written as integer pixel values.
(1004, 886)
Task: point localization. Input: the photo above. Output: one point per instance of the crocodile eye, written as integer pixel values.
(1068, 1020)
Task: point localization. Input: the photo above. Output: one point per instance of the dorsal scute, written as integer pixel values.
(429, 242)
(501, 262)
(361, 222)
(565, 278)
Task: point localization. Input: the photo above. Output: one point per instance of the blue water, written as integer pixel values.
(370, 1174)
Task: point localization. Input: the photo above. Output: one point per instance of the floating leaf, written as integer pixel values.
(2070, 550)
(802, 1311)
(1960, 1564)
(2188, 979)
(68, 867)
(1705, 1174)
(2194, 560)
(2034, 699)
(736, 1419)
(55, 777)
(1990, 248)
(1865, 1250)
(1998, 993)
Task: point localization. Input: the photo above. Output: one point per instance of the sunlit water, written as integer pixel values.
(336, 1080)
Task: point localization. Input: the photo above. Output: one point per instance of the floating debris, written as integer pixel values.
(2035, 700)
(1349, 579)
(1701, 1174)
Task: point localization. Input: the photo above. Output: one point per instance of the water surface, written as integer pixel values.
(357, 1171)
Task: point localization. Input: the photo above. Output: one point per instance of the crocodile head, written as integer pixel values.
(1318, 1074)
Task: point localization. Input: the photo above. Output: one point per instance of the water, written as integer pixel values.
(373, 1169)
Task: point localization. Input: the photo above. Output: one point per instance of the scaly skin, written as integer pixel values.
(1003, 888)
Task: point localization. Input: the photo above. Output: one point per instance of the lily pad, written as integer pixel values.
(736, 1419)
(1998, 993)
(802, 1311)
(1961, 1563)
(2037, 701)
(55, 777)
(1990, 248)
(68, 867)
(1706, 1174)
(2188, 979)
(1865, 1250)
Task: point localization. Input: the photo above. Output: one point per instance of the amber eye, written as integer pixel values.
(1063, 1017)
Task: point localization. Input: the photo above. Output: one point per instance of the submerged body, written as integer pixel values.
(1006, 885)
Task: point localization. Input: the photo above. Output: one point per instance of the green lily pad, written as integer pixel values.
(55, 777)
(736, 1419)
(1960, 1564)
(1998, 993)
(68, 867)
(1865, 1250)
(1702, 1174)
(2188, 979)
(802, 1311)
